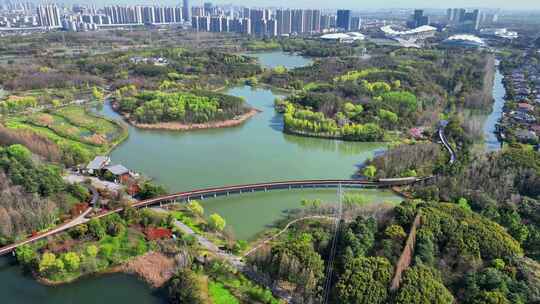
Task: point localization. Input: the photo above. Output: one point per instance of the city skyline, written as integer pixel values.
(347, 4)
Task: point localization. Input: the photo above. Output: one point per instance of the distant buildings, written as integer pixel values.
(262, 22)
(284, 21)
(344, 37)
(464, 41)
(499, 33)
(421, 32)
(143, 14)
(49, 16)
(186, 11)
(418, 19)
(344, 20)
(468, 21)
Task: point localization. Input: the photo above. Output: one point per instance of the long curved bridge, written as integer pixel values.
(264, 187)
(223, 191)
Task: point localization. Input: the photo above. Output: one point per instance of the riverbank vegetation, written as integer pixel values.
(306, 47)
(126, 241)
(89, 248)
(215, 282)
(186, 107)
(372, 99)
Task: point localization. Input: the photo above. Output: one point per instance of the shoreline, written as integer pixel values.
(46, 282)
(177, 126)
(140, 267)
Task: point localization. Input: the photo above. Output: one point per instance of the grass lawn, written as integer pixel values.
(188, 221)
(220, 295)
(72, 125)
(78, 116)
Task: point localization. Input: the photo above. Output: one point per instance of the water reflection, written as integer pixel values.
(329, 145)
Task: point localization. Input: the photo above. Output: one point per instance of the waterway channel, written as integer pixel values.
(491, 141)
(488, 120)
(257, 151)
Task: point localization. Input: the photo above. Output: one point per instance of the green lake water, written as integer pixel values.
(19, 288)
(273, 59)
(257, 151)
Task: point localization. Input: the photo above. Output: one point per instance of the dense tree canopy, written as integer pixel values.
(184, 107)
(422, 285)
(365, 280)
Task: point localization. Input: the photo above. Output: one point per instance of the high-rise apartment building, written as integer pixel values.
(271, 28)
(215, 24)
(186, 10)
(283, 19)
(356, 22)
(307, 21)
(148, 15)
(418, 19)
(297, 21)
(48, 15)
(246, 26)
(468, 21)
(344, 19)
(316, 21)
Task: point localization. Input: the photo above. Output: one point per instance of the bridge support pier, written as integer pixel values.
(215, 194)
(202, 197)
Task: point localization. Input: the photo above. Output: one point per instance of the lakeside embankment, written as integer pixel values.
(177, 126)
(153, 268)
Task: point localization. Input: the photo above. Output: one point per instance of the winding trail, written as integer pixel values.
(446, 144)
(266, 241)
(81, 219)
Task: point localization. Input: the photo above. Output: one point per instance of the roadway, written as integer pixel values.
(446, 144)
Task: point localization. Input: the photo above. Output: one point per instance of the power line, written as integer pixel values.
(332, 256)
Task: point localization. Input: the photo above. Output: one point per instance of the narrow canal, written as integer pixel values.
(499, 92)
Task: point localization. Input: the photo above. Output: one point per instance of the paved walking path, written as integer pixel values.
(81, 219)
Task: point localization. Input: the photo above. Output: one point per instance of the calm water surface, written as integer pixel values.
(18, 288)
(276, 58)
(257, 151)
(491, 141)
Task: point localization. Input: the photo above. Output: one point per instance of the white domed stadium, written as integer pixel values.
(343, 37)
(465, 41)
